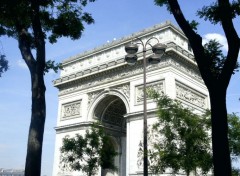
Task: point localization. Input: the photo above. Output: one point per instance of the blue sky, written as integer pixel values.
(113, 19)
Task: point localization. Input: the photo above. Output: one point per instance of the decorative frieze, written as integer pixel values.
(102, 79)
(157, 86)
(124, 72)
(190, 95)
(71, 110)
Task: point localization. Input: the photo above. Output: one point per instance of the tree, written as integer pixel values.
(86, 153)
(220, 12)
(3, 64)
(234, 139)
(32, 23)
(180, 139)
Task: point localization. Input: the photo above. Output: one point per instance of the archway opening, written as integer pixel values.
(110, 111)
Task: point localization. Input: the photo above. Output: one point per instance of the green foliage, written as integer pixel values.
(213, 13)
(3, 64)
(107, 154)
(162, 3)
(235, 172)
(184, 143)
(212, 49)
(179, 140)
(216, 57)
(234, 135)
(86, 153)
(216, 69)
(194, 24)
(51, 65)
(59, 18)
(32, 23)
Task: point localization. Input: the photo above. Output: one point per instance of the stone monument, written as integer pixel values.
(100, 85)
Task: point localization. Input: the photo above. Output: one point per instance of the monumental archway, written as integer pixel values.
(99, 85)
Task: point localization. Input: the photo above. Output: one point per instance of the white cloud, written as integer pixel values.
(218, 37)
(22, 64)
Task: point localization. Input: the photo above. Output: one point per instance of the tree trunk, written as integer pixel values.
(220, 145)
(36, 129)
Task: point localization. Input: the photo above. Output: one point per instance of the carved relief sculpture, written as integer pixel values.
(189, 95)
(157, 86)
(71, 110)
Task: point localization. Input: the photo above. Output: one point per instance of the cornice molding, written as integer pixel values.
(113, 53)
(86, 125)
(126, 39)
(115, 65)
(151, 113)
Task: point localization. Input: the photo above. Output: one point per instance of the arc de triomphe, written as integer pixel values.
(98, 84)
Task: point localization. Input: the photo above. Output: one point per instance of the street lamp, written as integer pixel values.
(158, 50)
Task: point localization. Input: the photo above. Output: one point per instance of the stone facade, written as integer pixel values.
(99, 85)
(11, 172)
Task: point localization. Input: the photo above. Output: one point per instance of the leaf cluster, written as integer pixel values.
(58, 18)
(234, 135)
(162, 3)
(234, 139)
(235, 172)
(215, 68)
(194, 24)
(107, 154)
(213, 13)
(216, 57)
(3, 64)
(180, 139)
(51, 65)
(210, 12)
(86, 153)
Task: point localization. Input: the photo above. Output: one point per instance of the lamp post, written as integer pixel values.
(158, 50)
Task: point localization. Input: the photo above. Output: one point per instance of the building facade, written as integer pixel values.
(11, 172)
(100, 85)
